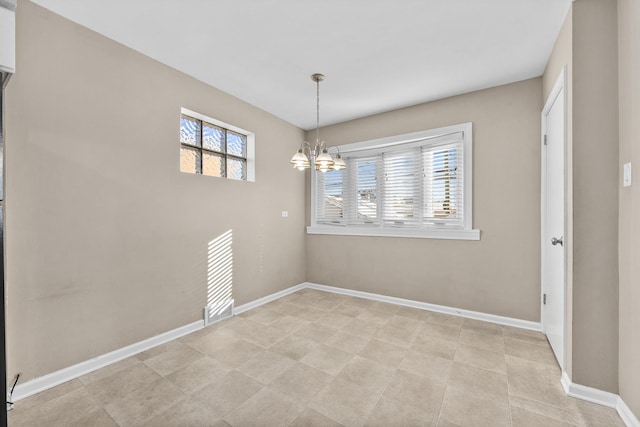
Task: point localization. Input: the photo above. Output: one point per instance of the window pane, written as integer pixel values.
(189, 159)
(366, 188)
(237, 169)
(403, 176)
(212, 137)
(212, 164)
(332, 210)
(189, 131)
(236, 144)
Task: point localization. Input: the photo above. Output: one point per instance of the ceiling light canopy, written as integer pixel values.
(319, 153)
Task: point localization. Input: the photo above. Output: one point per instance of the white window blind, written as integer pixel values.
(417, 184)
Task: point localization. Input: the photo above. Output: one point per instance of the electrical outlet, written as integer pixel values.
(285, 214)
(626, 179)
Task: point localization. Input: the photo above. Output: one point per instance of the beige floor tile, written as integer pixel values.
(368, 374)
(326, 304)
(361, 302)
(524, 418)
(482, 327)
(268, 407)
(466, 409)
(302, 382)
(435, 346)
(198, 374)
(401, 337)
(47, 395)
(327, 359)
(421, 392)
(389, 412)
(214, 341)
(242, 327)
(316, 332)
(481, 340)
(526, 350)
(174, 358)
(406, 323)
(137, 407)
(264, 336)
(559, 414)
(57, 412)
(345, 402)
(96, 418)
(310, 313)
(294, 347)
(348, 310)
(444, 423)
(384, 307)
(537, 381)
(413, 313)
(427, 365)
(348, 342)
(383, 352)
(228, 393)
(109, 370)
(266, 366)
(444, 319)
(311, 418)
(484, 384)
(265, 316)
(481, 358)
(360, 327)
(334, 320)
(376, 317)
(288, 324)
(121, 383)
(185, 413)
(533, 337)
(437, 330)
(598, 415)
(236, 353)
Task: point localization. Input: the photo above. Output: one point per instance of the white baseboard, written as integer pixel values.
(492, 318)
(625, 413)
(600, 397)
(260, 301)
(67, 374)
(53, 379)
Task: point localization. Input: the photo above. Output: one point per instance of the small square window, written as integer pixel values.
(211, 149)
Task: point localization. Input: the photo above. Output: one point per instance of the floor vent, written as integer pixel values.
(219, 311)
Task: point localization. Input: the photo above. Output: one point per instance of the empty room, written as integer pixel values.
(340, 213)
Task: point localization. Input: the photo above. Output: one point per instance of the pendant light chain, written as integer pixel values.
(318, 110)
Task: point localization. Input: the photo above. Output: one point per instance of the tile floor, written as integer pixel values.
(319, 359)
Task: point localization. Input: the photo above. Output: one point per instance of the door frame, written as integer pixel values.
(559, 89)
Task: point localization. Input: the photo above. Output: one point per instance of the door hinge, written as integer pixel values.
(545, 140)
(544, 299)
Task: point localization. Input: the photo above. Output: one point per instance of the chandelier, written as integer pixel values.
(319, 153)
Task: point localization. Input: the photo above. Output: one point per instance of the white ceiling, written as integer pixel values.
(377, 55)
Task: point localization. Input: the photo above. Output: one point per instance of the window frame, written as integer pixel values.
(250, 151)
(409, 140)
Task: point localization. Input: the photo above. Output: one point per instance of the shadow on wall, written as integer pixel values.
(219, 277)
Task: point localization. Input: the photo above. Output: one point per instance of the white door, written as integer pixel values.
(553, 219)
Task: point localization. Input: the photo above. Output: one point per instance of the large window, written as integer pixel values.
(413, 185)
(212, 148)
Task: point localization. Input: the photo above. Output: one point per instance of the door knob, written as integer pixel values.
(556, 241)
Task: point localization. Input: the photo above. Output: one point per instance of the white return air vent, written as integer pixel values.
(218, 311)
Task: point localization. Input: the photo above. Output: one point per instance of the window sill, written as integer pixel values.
(390, 232)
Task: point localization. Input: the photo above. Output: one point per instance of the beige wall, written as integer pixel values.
(562, 57)
(629, 226)
(500, 274)
(107, 239)
(595, 194)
